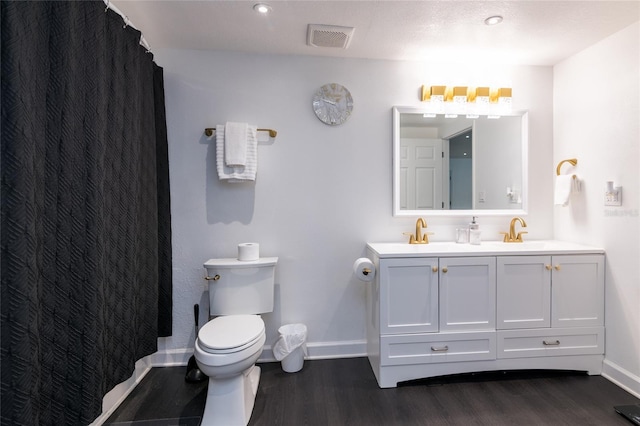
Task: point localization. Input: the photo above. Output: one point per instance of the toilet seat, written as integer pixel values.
(230, 334)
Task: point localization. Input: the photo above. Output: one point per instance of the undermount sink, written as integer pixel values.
(525, 245)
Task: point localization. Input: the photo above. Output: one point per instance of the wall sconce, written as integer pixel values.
(470, 101)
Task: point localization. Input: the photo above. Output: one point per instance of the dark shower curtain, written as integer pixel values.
(85, 239)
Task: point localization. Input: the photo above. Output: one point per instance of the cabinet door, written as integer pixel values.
(467, 293)
(577, 291)
(524, 292)
(408, 295)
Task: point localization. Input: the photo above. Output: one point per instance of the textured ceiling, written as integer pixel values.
(532, 33)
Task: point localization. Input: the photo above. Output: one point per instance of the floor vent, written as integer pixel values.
(329, 36)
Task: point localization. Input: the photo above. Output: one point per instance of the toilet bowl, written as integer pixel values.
(228, 346)
(226, 350)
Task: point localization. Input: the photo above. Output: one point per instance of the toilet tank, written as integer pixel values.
(240, 287)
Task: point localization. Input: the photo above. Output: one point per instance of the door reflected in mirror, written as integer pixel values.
(457, 166)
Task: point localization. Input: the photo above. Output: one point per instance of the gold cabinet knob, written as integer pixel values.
(547, 267)
(445, 270)
(434, 268)
(557, 267)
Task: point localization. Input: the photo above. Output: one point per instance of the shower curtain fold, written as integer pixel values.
(85, 239)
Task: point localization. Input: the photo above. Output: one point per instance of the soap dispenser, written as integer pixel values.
(474, 232)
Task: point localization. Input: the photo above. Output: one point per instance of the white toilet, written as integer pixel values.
(229, 345)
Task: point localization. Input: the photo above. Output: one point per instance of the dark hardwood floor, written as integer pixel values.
(345, 392)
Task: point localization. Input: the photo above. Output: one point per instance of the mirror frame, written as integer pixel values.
(397, 110)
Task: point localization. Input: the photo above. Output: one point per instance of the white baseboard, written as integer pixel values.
(621, 377)
(171, 358)
(325, 350)
(112, 399)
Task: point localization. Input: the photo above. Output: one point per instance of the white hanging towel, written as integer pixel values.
(235, 144)
(576, 184)
(234, 174)
(564, 184)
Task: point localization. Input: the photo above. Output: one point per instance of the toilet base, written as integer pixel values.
(230, 400)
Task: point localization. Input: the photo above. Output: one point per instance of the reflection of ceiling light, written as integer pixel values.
(493, 20)
(262, 8)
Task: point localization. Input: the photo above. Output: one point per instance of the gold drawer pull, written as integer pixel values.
(442, 349)
(445, 270)
(216, 277)
(547, 267)
(551, 342)
(434, 269)
(557, 267)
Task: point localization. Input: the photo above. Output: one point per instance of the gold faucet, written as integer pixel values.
(419, 238)
(511, 236)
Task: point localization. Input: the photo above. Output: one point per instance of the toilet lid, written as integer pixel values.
(231, 331)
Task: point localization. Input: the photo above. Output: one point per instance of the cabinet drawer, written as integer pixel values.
(440, 347)
(550, 342)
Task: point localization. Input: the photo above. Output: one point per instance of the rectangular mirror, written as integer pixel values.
(459, 166)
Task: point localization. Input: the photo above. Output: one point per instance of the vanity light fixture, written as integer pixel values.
(262, 8)
(493, 20)
(470, 101)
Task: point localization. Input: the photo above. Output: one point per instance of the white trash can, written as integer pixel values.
(291, 347)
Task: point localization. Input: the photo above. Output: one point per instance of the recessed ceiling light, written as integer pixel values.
(262, 8)
(493, 20)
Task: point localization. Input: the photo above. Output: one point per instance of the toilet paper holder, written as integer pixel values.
(364, 269)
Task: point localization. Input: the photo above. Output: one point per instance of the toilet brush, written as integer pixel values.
(193, 372)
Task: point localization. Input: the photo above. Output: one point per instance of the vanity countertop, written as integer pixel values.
(486, 248)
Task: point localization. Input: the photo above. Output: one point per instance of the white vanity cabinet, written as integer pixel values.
(446, 309)
(467, 293)
(545, 291)
(550, 305)
(425, 295)
(408, 295)
(434, 310)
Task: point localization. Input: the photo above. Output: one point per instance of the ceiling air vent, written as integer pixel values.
(329, 36)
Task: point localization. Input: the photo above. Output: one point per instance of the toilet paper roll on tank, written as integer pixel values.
(364, 269)
(248, 251)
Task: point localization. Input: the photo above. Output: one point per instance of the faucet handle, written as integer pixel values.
(412, 238)
(425, 237)
(506, 237)
(519, 237)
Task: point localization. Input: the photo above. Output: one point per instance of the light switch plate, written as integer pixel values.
(613, 198)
